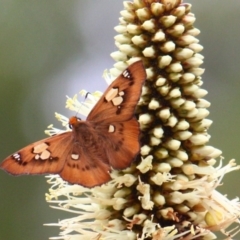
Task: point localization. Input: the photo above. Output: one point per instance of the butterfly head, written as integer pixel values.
(73, 121)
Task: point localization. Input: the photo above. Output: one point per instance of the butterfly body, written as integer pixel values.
(109, 138)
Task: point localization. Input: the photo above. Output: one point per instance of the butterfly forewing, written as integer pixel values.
(109, 138)
(45, 156)
(120, 99)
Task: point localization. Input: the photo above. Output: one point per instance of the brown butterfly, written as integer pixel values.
(108, 138)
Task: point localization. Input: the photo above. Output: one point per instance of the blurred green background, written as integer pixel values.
(49, 49)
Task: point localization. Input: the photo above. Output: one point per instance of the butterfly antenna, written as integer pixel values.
(87, 94)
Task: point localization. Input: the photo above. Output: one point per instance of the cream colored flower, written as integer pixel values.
(170, 193)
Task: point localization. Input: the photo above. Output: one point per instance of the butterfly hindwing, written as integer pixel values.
(88, 170)
(45, 156)
(120, 99)
(120, 141)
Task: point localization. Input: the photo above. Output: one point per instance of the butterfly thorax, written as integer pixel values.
(87, 141)
(83, 132)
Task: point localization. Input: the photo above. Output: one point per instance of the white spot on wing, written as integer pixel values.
(40, 148)
(16, 156)
(112, 93)
(45, 155)
(117, 101)
(111, 128)
(121, 93)
(126, 74)
(75, 156)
